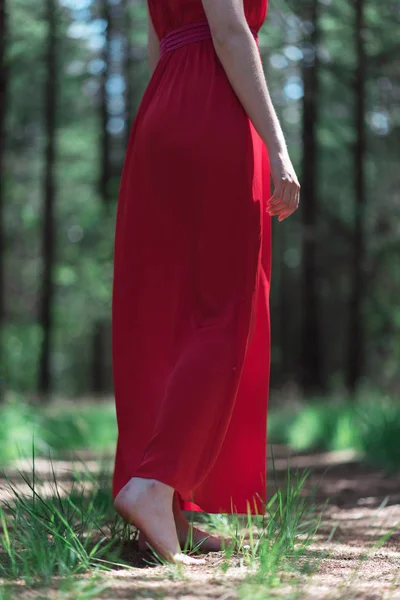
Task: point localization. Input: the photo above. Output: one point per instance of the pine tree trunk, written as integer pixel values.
(3, 91)
(356, 341)
(47, 287)
(285, 343)
(104, 179)
(310, 360)
(128, 70)
(100, 327)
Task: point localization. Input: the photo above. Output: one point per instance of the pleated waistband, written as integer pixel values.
(193, 32)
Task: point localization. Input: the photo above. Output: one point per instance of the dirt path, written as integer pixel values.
(363, 506)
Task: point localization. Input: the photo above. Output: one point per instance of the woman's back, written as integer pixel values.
(171, 14)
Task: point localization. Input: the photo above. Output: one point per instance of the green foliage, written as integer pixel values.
(18, 423)
(57, 535)
(369, 423)
(94, 426)
(19, 367)
(378, 421)
(55, 530)
(274, 545)
(84, 230)
(324, 427)
(57, 428)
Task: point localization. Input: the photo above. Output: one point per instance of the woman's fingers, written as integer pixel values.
(276, 205)
(277, 210)
(285, 200)
(293, 203)
(276, 197)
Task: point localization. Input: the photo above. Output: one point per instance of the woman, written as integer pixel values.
(192, 270)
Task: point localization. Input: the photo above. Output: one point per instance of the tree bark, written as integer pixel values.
(105, 173)
(128, 70)
(48, 250)
(3, 92)
(285, 344)
(310, 360)
(356, 340)
(100, 327)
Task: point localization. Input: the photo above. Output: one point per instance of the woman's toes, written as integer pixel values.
(206, 542)
(191, 537)
(184, 559)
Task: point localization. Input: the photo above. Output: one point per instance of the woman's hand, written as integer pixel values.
(285, 199)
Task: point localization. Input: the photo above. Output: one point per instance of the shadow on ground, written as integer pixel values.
(361, 506)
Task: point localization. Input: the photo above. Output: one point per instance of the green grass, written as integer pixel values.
(65, 538)
(274, 545)
(64, 533)
(59, 427)
(369, 424)
(68, 532)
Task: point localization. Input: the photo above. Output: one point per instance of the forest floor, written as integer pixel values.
(351, 557)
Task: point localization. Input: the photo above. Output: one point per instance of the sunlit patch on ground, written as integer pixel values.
(355, 553)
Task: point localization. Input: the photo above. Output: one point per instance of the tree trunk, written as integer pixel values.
(128, 70)
(47, 288)
(285, 343)
(356, 341)
(100, 327)
(105, 174)
(3, 89)
(310, 360)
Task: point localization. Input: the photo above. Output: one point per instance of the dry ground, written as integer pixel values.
(363, 504)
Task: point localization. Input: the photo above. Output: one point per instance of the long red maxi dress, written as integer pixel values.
(192, 271)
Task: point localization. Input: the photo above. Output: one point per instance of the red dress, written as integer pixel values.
(192, 270)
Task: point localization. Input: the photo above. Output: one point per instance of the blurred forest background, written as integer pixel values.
(73, 74)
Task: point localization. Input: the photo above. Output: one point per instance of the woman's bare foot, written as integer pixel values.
(147, 504)
(189, 537)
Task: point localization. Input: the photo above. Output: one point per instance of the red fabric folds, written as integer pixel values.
(192, 272)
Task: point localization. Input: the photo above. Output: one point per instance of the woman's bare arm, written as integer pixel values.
(153, 45)
(240, 58)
